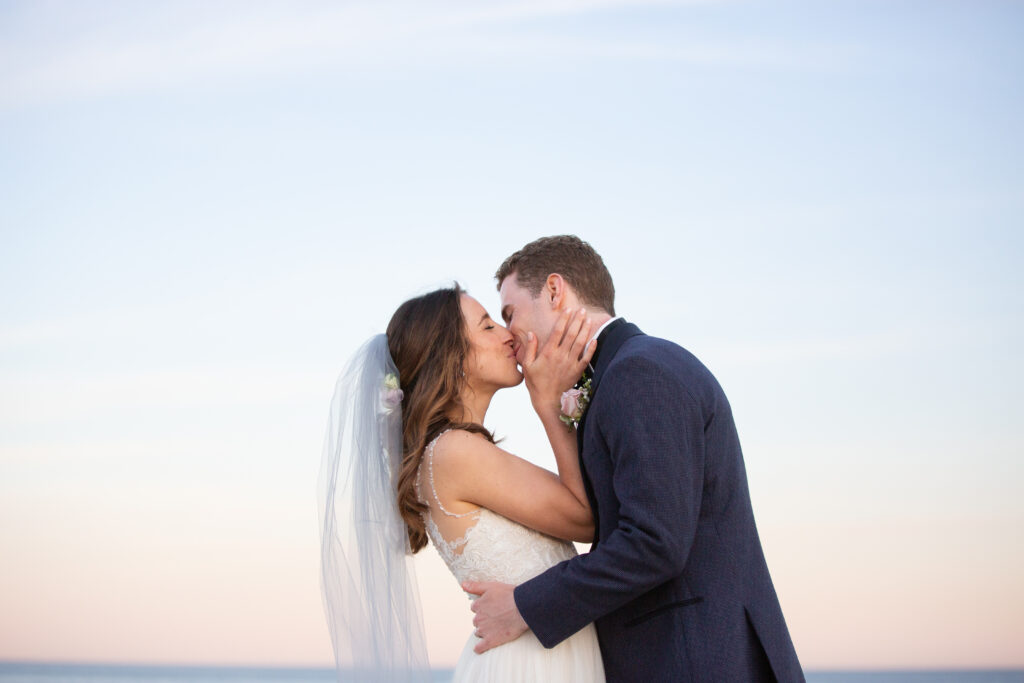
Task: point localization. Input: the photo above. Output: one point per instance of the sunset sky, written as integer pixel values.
(205, 208)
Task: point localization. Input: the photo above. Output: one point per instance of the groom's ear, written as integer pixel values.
(555, 290)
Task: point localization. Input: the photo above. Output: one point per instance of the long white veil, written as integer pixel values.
(367, 575)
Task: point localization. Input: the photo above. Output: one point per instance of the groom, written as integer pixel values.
(675, 581)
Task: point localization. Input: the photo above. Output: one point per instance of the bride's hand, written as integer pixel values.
(561, 362)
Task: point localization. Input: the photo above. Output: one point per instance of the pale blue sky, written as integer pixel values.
(206, 207)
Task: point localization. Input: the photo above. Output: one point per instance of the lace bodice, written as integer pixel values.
(494, 548)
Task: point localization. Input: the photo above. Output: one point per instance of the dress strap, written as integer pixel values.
(428, 454)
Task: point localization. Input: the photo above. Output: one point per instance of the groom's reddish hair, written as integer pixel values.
(570, 257)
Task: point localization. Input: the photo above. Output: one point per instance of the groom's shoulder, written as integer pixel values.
(643, 354)
(647, 348)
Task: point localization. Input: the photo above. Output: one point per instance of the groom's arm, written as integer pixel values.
(654, 428)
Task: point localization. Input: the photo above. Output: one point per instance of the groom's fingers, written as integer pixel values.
(485, 644)
(474, 588)
(490, 619)
(477, 588)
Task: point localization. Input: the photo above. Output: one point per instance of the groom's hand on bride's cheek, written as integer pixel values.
(497, 620)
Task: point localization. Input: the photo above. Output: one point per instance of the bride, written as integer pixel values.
(407, 459)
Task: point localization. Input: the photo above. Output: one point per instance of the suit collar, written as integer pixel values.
(608, 344)
(607, 324)
(602, 338)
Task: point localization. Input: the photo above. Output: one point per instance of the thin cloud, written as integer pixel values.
(103, 57)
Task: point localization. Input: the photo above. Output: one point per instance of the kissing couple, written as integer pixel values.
(675, 586)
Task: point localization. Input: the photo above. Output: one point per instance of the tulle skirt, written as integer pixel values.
(577, 659)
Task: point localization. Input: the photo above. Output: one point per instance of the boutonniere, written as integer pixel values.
(575, 402)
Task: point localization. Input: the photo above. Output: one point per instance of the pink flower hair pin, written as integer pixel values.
(391, 394)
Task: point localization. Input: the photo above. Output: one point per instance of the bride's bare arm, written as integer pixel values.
(470, 469)
(549, 372)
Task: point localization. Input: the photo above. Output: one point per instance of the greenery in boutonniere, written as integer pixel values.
(574, 402)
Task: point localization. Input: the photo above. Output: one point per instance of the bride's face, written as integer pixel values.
(492, 359)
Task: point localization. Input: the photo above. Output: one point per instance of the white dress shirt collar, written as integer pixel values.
(601, 329)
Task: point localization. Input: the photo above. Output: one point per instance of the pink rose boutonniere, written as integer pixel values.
(574, 403)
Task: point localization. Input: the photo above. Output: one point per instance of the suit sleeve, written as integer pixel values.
(654, 430)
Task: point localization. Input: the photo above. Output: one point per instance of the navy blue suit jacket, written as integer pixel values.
(676, 581)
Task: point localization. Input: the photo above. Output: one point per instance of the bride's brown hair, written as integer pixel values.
(428, 342)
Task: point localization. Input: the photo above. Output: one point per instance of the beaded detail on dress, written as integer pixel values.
(494, 548)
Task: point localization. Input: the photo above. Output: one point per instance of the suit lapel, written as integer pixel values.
(612, 339)
(608, 344)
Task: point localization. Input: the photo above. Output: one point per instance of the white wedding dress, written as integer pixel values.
(495, 548)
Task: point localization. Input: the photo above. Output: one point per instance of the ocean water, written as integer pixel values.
(31, 672)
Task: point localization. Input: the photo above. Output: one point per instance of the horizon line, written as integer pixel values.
(311, 667)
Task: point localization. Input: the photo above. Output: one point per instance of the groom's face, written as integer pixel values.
(524, 313)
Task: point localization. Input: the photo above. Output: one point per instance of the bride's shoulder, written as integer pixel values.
(460, 447)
